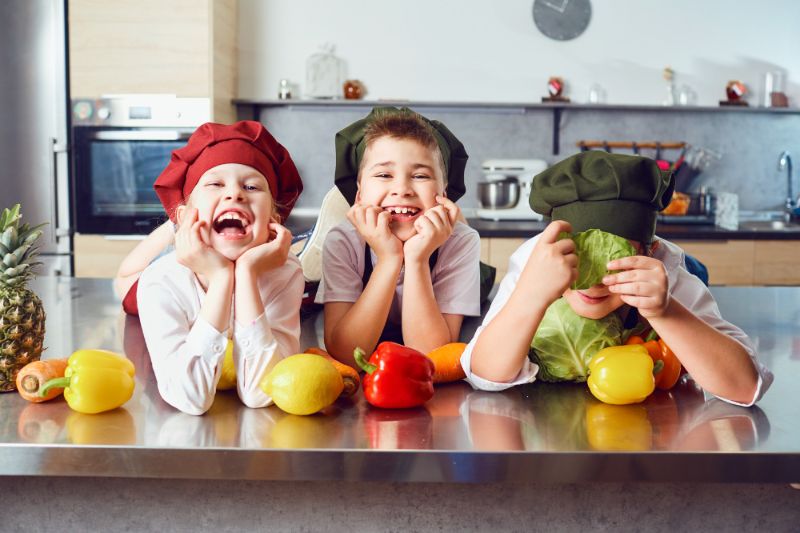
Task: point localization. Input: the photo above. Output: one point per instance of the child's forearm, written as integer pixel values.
(146, 251)
(502, 346)
(122, 284)
(247, 298)
(216, 308)
(715, 361)
(424, 327)
(362, 325)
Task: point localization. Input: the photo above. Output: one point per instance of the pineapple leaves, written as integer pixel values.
(9, 216)
(17, 248)
(9, 237)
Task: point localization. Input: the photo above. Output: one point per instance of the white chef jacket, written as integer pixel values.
(187, 352)
(686, 288)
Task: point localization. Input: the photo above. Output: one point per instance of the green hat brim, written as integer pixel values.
(604, 215)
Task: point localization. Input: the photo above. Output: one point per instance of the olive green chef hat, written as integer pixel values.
(350, 147)
(619, 194)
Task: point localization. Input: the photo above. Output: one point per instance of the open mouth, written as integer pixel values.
(592, 299)
(403, 212)
(231, 225)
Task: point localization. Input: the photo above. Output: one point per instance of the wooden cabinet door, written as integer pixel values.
(728, 262)
(99, 257)
(499, 252)
(776, 263)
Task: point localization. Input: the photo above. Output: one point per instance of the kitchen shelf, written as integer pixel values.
(251, 108)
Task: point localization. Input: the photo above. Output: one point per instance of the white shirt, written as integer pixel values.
(686, 288)
(455, 277)
(187, 351)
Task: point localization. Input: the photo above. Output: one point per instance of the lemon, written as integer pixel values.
(302, 384)
(228, 378)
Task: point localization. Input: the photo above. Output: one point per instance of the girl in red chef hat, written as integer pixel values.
(231, 274)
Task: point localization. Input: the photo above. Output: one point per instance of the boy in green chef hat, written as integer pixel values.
(620, 195)
(402, 267)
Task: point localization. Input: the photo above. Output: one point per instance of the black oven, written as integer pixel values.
(118, 152)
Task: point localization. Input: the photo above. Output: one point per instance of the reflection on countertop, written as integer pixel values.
(546, 432)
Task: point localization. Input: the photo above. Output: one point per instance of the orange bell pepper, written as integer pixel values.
(667, 367)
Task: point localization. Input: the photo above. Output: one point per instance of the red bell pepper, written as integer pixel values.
(397, 376)
(667, 366)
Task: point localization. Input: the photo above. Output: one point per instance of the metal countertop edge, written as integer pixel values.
(398, 466)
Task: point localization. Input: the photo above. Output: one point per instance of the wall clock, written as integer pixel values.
(562, 20)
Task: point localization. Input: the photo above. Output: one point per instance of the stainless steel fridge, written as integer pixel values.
(34, 123)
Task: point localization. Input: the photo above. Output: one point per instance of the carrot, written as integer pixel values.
(349, 374)
(447, 362)
(35, 374)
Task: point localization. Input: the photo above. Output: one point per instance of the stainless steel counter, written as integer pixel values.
(541, 432)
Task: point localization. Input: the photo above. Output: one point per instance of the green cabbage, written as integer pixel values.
(565, 342)
(595, 248)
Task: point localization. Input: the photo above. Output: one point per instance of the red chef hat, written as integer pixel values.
(246, 142)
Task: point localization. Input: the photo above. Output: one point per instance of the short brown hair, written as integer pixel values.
(409, 126)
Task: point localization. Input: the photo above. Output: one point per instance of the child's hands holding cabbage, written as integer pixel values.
(642, 283)
(552, 266)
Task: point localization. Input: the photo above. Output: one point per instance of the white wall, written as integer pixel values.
(490, 50)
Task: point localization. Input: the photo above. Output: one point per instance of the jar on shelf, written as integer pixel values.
(324, 74)
(284, 90)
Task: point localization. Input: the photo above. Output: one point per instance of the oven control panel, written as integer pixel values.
(152, 111)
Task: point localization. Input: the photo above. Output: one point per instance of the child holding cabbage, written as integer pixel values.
(560, 310)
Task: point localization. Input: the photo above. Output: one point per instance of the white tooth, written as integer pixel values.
(405, 210)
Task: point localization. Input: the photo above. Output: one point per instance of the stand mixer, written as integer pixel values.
(504, 193)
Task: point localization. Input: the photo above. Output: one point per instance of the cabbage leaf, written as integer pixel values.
(565, 342)
(595, 248)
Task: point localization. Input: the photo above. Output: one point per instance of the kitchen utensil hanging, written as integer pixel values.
(690, 162)
(636, 147)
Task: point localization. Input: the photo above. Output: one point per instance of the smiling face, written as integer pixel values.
(403, 177)
(235, 201)
(594, 302)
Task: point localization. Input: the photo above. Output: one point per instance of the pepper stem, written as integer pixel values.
(59, 383)
(658, 367)
(361, 361)
(652, 336)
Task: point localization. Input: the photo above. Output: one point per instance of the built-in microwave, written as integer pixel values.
(120, 146)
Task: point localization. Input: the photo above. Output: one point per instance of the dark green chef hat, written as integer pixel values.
(350, 148)
(619, 194)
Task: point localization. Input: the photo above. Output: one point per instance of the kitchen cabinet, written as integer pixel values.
(775, 263)
(182, 47)
(99, 257)
(729, 262)
(497, 253)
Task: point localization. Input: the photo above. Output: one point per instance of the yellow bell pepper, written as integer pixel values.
(618, 427)
(95, 381)
(621, 375)
(228, 378)
(112, 427)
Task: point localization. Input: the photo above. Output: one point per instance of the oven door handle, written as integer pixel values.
(140, 135)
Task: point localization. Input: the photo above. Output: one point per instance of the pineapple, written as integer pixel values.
(21, 311)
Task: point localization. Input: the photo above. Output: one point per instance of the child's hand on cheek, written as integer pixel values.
(552, 265)
(453, 211)
(434, 227)
(373, 223)
(193, 246)
(267, 256)
(643, 284)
